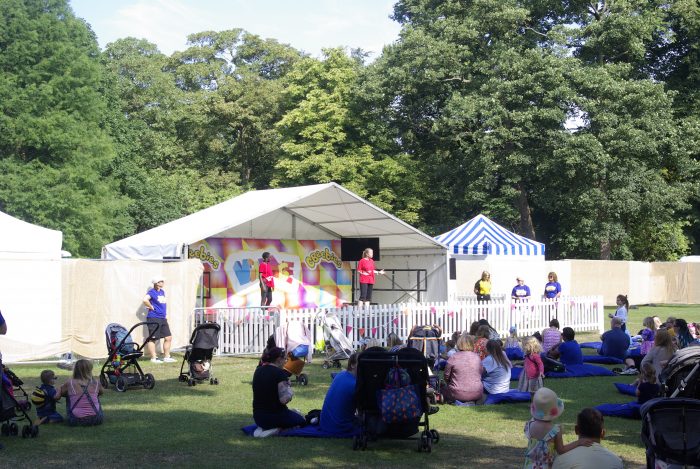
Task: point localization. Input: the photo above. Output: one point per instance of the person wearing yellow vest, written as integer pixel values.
(482, 288)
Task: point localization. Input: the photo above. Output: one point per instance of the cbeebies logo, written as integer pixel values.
(326, 255)
(205, 256)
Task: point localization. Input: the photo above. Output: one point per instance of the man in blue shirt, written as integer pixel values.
(615, 341)
(338, 412)
(569, 350)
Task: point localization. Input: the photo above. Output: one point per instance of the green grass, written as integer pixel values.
(179, 426)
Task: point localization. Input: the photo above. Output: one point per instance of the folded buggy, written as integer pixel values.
(681, 376)
(13, 407)
(295, 338)
(338, 346)
(198, 355)
(391, 397)
(122, 368)
(427, 339)
(671, 432)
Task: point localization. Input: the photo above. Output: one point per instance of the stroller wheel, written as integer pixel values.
(104, 380)
(325, 365)
(182, 378)
(149, 381)
(34, 431)
(435, 435)
(355, 443)
(26, 431)
(14, 429)
(303, 379)
(5, 429)
(191, 382)
(216, 381)
(121, 384)
(211, 381)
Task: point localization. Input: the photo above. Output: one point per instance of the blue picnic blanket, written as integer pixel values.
(627, 389)
(572, 371)
(513, 395)
(310, 431)
(629, 410)
(602, 359)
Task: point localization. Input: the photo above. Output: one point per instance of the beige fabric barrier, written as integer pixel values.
(642, 282)
(96, 293)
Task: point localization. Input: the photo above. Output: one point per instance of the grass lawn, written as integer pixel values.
(179, 426)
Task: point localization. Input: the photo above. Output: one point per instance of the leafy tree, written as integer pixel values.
(54, 156)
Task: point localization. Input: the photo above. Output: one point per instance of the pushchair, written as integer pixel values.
(338, 346)
(671, 432)
(427, 339)
(198, 355)
(373, 368)
(122, 367)
(10, 405)
(295, 338)
(681, 376)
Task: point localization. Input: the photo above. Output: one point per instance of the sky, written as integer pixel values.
(307, 25)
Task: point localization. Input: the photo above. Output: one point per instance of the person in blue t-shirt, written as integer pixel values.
(338, 411)
(520, 292)
(569, 350)
(615, 341)
(553, 288)
(47, 412)
(158, 327)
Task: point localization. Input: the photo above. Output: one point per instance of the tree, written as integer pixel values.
(54, 156)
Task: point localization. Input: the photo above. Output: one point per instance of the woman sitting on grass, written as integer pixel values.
(482, 337)
(463, 373)
(496, 379)
(271, 394)
(661, 352)
(81, 393)
(338, 412)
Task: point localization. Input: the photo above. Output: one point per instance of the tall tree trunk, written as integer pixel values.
(605, 249)
(527, 229)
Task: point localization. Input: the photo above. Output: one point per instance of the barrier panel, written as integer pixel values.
(245, 331)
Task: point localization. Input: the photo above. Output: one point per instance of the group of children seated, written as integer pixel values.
(81, 391)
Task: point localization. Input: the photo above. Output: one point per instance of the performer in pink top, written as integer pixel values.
(267, 281)
(366, 270)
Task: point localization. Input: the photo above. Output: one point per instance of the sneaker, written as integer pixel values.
(156, 360)
(260, 433)
(630, 371)
(169, 360)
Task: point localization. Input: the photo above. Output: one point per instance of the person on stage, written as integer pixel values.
(366, 270)
(267, 281)
(521, 292)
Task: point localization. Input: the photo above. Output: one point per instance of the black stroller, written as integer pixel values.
(373, 367)
(671, 432)
(122, 367)
(427, 339)
(205, 338)
(681, 376)
(11, 404)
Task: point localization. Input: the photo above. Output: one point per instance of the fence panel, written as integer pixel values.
(245, 330)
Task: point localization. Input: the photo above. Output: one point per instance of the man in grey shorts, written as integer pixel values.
(155, 303)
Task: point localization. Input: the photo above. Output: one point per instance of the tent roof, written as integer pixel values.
(482, 236)
(322, 211)
(19, 239)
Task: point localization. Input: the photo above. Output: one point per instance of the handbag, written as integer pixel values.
(399, 401)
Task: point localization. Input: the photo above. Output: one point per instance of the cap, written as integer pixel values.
(157, 279)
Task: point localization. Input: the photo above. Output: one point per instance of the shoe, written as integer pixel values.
(169, 360)
(630, 371)
(260, 433)
(156, 360)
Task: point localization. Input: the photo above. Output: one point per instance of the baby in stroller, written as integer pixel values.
(198, 355)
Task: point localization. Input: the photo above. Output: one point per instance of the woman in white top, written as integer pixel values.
(496, 377)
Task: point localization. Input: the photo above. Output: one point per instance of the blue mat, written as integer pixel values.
(602, 359)
(514, 353)
(630, 410)
(595, 345)
(572, 371)
(310, 431)
(627, 389)
(512, 395)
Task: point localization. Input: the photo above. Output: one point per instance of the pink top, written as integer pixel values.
(366, 265)
(534, 367)
(81, 406)
(463, 376)
(550, 337)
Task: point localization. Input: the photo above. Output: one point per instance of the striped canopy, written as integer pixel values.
(481, 236)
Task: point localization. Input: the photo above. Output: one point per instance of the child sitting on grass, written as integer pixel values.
(46, 411)
(646, 384)
(544, 437)
(533, 368)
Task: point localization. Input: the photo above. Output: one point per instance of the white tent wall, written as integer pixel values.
(503, 274)
(433, 261)
(31, 305)
(96, 293)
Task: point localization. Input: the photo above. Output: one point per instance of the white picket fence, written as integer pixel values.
(245, 330)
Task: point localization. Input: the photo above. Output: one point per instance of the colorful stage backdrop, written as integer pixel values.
(307, 274)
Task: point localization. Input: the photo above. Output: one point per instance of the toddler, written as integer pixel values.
(544, 438)
(646, 384)
(533, 368)
(47, 411)
(512, 340)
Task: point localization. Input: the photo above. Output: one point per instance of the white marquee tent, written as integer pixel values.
(30, 273)
(316, 212)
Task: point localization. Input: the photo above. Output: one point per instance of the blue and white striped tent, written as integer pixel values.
(483, 237)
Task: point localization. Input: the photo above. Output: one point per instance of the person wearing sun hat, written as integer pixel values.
(544, 437)
(156, 305)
